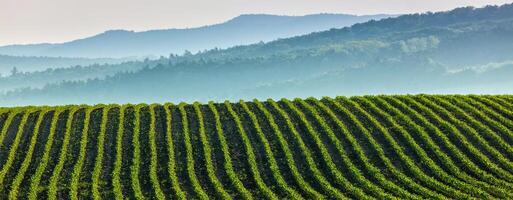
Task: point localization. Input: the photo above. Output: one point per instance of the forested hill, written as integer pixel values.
(466, 50)
(41, 63)
(394, 28)
(242, 30)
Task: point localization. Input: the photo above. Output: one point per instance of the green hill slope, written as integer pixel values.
(464, 51)
(372, 147)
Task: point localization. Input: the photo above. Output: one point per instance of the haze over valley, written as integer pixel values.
(465, 50)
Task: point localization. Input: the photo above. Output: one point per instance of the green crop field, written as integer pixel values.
(372, 147)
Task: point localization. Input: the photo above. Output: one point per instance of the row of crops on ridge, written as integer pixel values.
(369, 147)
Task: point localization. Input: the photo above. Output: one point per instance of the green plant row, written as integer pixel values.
(373, 170)
(411, 166)
(307, 188)
(353, 170)
(171, 155)
(54, 179)
(136, 158)
(325, 184)
(77, 168)
(454, 148)
(439, 173)
(334, 171)
(479, 155)
(405, 180)
(154, 157)
(208, 155)
(8, 122)
(494, 111)
(95, 186)
(292, 194)
(201, 194)
(250, 155)
(36, 178)
(467, 123)
(369, 147)
(403, 113)
(13, 193)
(484, 124)
(228, 166)
(116, 173)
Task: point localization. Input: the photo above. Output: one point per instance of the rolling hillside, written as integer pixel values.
(241, 30)
(371, 147)
(465, 50)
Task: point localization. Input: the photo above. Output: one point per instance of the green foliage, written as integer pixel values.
(77, 169)
(100, 154)
(13, 194)
(250, 154)
(208, 155)
(54, 180)
(36, 177)
(372, 147)
(136, 159)
(171, 155)
(190, 158)
(153, 165)
(116, 173)
(269, 154)
(228, 164)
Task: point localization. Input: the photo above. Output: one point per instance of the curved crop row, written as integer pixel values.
(473, 127)
(250, 154)
(36, 178)
(153, 162)
(288, 154)
(171, 155)
(354, 171)
(52, 185)
(190, 158)
(484, 122)
(445, 159)
(454, 148)
(440, 174)
(329, 189)
(116, 179)
(8, 123)
(373, 170)
(77, 168)
(99, 155)
(400, 176)
(208, 155)
(339, 177)
(417, 172)
(499, 113)
(13, 194)
(136, 159)
(226, 154)
(270, 156)
(466, 144)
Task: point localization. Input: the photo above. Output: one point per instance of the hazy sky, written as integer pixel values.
(36, 21)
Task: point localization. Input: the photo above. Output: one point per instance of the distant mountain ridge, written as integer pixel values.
(466, 50)
(241, 30)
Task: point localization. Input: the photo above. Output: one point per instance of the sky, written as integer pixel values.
(55, 21)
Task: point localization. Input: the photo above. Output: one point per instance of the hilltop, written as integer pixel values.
(241, 30)
(466, 50)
